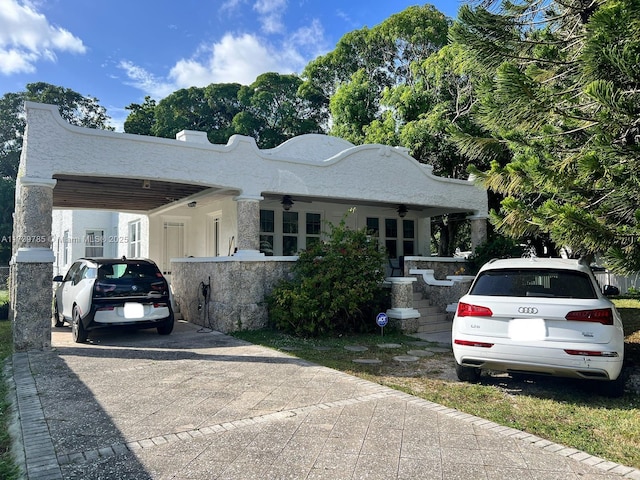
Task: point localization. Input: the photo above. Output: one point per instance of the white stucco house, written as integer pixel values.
(232, 216)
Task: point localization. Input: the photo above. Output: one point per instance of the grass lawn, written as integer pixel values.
(567, 412)
(8, 469)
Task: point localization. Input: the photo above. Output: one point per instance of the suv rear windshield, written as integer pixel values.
(534, 283)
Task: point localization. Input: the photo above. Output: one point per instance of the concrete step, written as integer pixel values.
(433, 317)
(434, 327)
(428, 309)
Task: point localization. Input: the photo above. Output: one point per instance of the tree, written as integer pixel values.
(74, 108)
(273, 112)
(141, 120)
(565, 101)
(373, 58)
(7, 201)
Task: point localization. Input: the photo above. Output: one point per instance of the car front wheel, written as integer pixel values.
(78, 332)
(467, 374)
(59, 321)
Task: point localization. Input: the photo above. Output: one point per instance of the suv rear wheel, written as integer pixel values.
(467, 374)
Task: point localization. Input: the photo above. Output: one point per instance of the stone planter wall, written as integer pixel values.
(237, 289)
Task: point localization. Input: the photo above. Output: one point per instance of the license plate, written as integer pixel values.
(133, 310)
(527, 329)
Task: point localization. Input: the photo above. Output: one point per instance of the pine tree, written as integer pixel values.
(565, 102)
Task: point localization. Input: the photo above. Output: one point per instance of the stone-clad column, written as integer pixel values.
(478, 230)
(402, 298)
(248, 239)
(32, 264)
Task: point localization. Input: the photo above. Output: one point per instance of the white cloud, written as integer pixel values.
(237, 59)
(27, 36)
(234, 59)
(270, 14)
(145, 81)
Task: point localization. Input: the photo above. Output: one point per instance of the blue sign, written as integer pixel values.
(382, 319)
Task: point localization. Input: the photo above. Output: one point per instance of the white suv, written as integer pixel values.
(543, 316)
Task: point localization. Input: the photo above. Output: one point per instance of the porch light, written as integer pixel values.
(402, 210)
(287, 202)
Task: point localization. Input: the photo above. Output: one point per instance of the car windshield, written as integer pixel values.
(534, 283)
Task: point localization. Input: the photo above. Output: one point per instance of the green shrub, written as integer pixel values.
(336, 286)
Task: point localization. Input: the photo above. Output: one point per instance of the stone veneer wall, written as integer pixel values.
(439, 296)
(34, 331)
(237, 290)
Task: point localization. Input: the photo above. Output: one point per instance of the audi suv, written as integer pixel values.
(104, 292)
(539, 316)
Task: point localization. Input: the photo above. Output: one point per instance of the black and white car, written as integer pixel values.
(541, 316)
(103, 292)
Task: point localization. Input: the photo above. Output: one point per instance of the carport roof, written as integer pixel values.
(120, 194)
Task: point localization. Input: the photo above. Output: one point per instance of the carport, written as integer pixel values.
(64, 166)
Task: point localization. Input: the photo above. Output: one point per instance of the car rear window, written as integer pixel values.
(534, 283)
(127, 270)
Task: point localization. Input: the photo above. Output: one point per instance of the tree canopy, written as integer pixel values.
(565, 101)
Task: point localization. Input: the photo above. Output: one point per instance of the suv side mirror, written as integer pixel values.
(610, 291)
(57, 278)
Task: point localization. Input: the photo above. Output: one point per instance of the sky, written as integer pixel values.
(120, 51)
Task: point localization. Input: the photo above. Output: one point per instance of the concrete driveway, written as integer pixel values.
(201, 405)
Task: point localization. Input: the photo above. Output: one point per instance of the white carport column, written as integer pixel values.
(248, 241)
(478, 230)
(424, 236)
(32, 264)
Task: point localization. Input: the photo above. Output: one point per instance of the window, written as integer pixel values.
(408, 234)
(135, 242)
(267, 229)
(314, 228)
(94, 243)
(290, 233)
(67, 247)
(373, 226)
(391, 235)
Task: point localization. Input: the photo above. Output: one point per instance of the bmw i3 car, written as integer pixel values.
(104, 292)
(541, 316)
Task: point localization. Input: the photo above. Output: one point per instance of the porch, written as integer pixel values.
(232, 213)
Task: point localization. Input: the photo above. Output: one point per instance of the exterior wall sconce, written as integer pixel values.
(287, 202)
(192, 204)
(402, 210)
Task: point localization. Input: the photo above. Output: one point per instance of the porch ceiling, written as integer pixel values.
(120, 194)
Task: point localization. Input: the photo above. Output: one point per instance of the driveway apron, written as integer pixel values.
(202, 405)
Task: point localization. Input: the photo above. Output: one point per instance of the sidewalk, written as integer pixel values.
(199, 405)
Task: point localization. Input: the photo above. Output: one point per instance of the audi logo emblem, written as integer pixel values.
(530, 310)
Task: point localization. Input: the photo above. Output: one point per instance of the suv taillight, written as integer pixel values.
(599, 315)
(468, 310)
